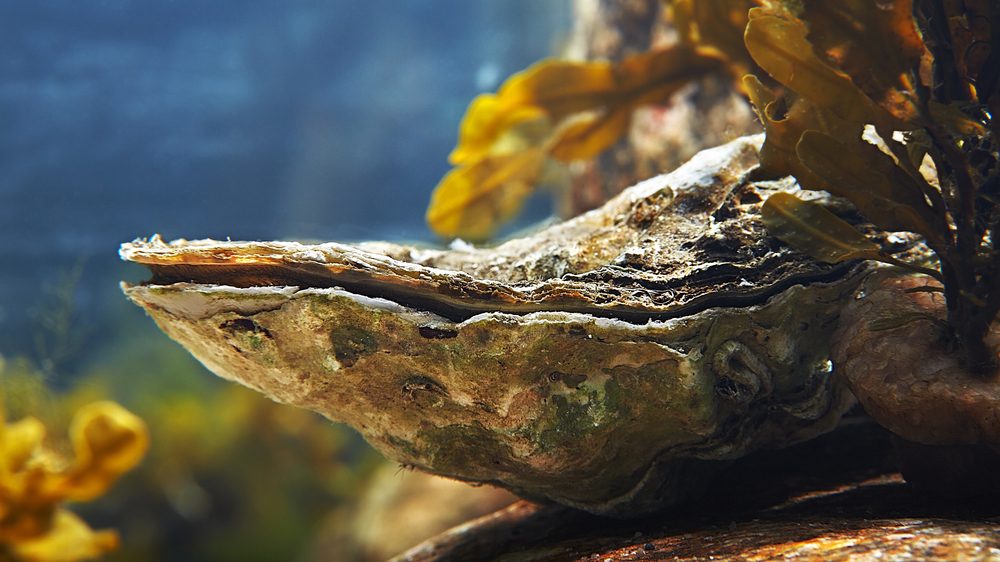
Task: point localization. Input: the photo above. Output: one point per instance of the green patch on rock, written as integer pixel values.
(461, 449)
(572, 417)
(351, 343)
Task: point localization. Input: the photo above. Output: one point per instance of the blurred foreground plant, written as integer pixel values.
(205, 490)
(34, 480)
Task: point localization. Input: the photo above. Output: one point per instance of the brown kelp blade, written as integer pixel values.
(811, 228)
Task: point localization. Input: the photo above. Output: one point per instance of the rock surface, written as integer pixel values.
(903, 373)
(833, 499)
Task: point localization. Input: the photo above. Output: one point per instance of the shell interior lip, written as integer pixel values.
(454, 295)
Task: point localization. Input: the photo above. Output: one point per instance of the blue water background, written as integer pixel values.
(249, 119)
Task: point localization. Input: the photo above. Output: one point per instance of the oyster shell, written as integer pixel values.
(608, 363)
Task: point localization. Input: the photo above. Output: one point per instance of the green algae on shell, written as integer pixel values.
(608, 363)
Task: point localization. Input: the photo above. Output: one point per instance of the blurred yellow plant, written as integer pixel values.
(718, 24)
(107, 441)
(555, 109)
(198, 495)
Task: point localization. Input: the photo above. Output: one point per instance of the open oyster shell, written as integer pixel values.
(607, 363)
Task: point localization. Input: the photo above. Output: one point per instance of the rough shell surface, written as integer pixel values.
(608, 363)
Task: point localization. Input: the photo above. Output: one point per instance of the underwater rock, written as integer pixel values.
(903, 372)
(786, 534)
(833, 498)
(611, 363)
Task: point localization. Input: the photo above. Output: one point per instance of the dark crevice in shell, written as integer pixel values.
(459, 303)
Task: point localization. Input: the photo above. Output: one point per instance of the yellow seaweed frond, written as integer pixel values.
(470, 201)
(715, 23)
(66, 539)
(108, 441)
(487, 121)
(555, 109)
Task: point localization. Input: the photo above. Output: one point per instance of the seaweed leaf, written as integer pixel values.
(590, 134)
(108, 441)
(553, 89)
(779, 44)
(558, 109)
(68, 539)
(811, 228)
(849, 32)
(486, 121)
(783, 130)
(870, 179)
(472, 201)
(34, 480)
(718, 24)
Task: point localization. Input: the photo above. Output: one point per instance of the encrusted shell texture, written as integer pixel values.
(609, 363)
